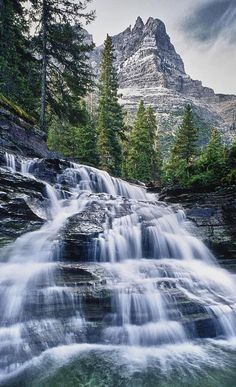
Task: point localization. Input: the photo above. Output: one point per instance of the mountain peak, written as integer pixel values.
(139, 24)
(149, 68)
(151, 22)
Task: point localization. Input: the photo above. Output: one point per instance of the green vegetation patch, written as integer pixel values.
(15, 109)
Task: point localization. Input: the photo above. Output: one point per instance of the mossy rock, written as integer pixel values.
(15, 109)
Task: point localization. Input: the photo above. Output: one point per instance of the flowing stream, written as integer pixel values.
(156, 271)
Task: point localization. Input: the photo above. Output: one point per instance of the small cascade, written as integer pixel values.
(27, 165)
(81, 177)
(121, 239)
(140, 316)
(10, 162)
(159, 276)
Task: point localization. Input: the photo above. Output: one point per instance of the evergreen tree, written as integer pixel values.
(180, 166)
(212, 161)
(231, 160)
(231, 164)
(110, 116)
(142, 159)
(77, 141)
(63, 53)
(213, 156)
(155, 154)
(185, 146)
(85, 138)
(19, 70)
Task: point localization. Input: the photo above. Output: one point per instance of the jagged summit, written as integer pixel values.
(139, 24)
(149, 68)
(150, 24)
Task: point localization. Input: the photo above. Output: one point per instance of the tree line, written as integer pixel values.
(44, 60)
(190, 165)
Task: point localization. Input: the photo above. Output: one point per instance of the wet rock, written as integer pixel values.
(80, 231)
(22, 205)
(17, 136)
(49, 169)
(213, 213)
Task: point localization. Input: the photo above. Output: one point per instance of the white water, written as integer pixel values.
(152, 259)
(10, 162)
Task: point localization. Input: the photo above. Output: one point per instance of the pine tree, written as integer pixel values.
(110, 116)
(231, 164)
(142, 159)
(19, 69)
(185, 146)
(180, 165)
(155, 154)
(214, 153)
(78, 142)
(232, 156)
(85, 138)
(212, 161)
(60, 44)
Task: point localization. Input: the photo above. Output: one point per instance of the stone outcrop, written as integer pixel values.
(22, 205)
(150, 69)
(18, 136)
(214, 215)
(79, 232)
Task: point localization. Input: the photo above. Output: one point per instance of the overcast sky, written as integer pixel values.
(203, 32)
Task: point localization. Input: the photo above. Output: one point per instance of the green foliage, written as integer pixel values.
(185, 146)
(214, 165)
(176, 171)
(154, 144)
(212, 161)
(231, 163)
(77, 141)
(110, 124)
(142, 156)
(179, 167)
(63, 55)
(19, 68)
(231, 157)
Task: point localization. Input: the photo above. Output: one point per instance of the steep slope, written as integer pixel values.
(149, 68)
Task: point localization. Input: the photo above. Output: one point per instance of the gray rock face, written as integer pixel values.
(214, 214)
(22, 205)
(150, 69)
(17, 136)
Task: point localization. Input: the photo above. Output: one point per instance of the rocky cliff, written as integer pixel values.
(213, 215)
(150, 69)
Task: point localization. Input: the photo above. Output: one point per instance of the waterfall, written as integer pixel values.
(10, 162)
(155, 267)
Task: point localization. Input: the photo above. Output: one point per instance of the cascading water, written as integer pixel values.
(156, 268)
(10, 162)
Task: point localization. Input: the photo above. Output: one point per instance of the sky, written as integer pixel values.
(202, 31)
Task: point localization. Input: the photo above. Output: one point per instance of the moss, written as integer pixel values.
(15, 109)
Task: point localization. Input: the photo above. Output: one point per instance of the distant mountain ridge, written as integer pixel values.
(149, 68)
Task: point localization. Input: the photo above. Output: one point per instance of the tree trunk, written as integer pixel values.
(44, 69)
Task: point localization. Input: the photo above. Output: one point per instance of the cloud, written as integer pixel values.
(211, 21)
